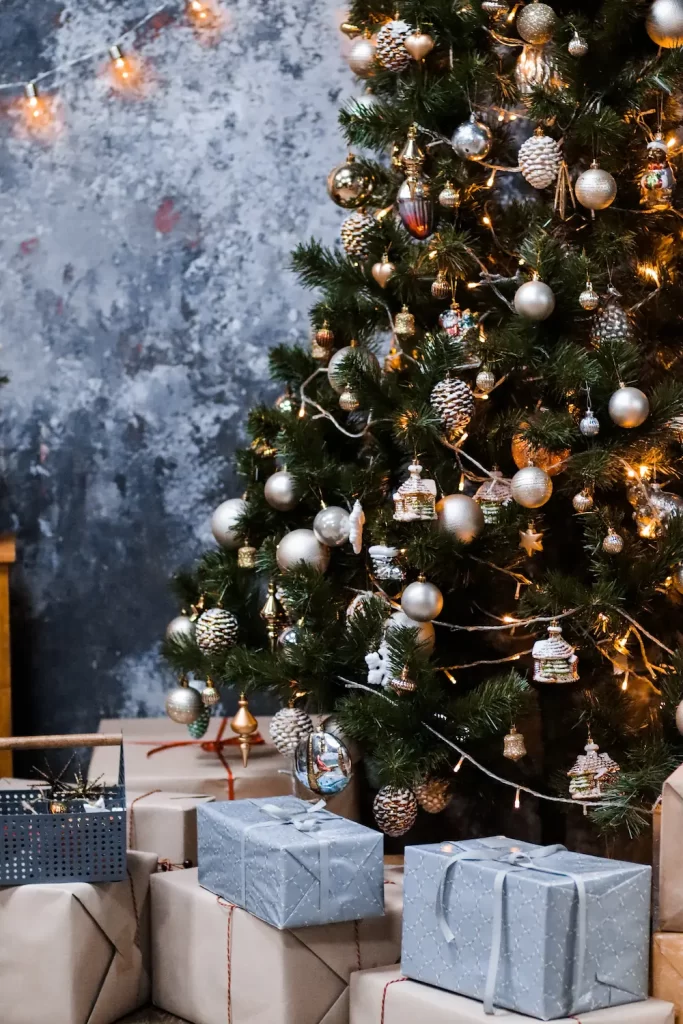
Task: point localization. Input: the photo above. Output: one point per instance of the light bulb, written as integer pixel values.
(37, 110)
(125, 72)
(204, 15)
(517, 794)
(459, 765)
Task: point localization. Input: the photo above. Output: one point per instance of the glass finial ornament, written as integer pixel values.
(472, 140)
(348, 185)
(390, 47)
(589, 298)
(210, 695)
(453, 400)
(592, 773)
(577, 47)
(416, 208)
(658, 181)
(416, 498)
(244, 725)
(384, 562)
(273, 614)
(555, 660)
(449, 196)
(514, 747)
(322, 763)
(493, 495)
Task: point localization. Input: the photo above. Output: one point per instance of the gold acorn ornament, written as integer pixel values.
(210, 695)
(440, 289)
(577, 47)
(244, 725)
(536, 23)
(404, 324)
(589, 298)
(273, 614)
(449, 196)
(246, 557)
(595, 189)
(433, 795)
(514, 747)
(383, 271)
(390, 48)
(419, 44)
(361, 58)
(348, 185)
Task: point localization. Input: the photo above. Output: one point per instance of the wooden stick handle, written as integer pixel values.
(85, 739)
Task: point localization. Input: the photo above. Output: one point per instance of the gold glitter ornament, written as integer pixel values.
(531, 487)
(348, 185)
(440, 289)
(246, 557)
(589, 299)
(536, 23)
(514, 747)
(348, 400)
(433, 795)
(449, 196)
(403, 683)
(582, 502)
(613, 544)
(404, 324)
(578, 47)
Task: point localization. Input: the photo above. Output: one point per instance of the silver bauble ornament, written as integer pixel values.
(449, 196)
(534, 300)
(361, 57)
(355, 354)
(536, 23)
(280, 491)
(629, 407)
(460, 515)
(395, 810)
(224, 520)
(613, 544)
(472, 140)
(665, 23)
(679, 717)
(589, 298)
(302, 546)
(216, 631)
(390, 45)
(485, 381)
(289, 637)
(288, 728)
(422, 600)
(531, 487)
(582, 502)
(184, 704)
(578, 47)
(349, 400)
(348, 186)
(539, 159)
(332, 526)
(589, 425)
(677, 577)
(595, 189)
(180, 629)
(322, 763)
(426, 633)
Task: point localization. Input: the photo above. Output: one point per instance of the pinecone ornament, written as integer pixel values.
(216, 631)
(395, 810)
(198, 728)
(433, 795)
(390, 48)
(288, 727)
(612, 322)
(454, 402)
(539, 159)
(354, 234)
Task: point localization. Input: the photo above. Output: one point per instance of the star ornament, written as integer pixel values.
(531, 542)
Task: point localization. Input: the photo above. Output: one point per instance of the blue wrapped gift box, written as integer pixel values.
(289, 862)
(538, 930)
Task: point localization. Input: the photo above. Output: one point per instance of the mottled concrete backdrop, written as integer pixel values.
(143, 279)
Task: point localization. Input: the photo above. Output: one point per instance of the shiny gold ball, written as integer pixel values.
(525, 454)
(348, 186)
(595, 189)
(665, 23)
(536, 23)
(362, 57)
(589, 299)
(613, 544)
(582, 502)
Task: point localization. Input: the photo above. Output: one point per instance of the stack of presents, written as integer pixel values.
(217, 894)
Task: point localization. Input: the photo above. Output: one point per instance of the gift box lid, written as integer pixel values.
(268, 821)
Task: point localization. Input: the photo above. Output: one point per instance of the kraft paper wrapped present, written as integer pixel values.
(159, 755)
(165, 824)
(74, 952)
(290, 862)
(214, 963)
(538, 930)
(384, 996)
(670, 882)
(667, 969)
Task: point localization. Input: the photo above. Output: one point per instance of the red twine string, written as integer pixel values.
(230, 907)
(356, 936)
(384, 995)
(131, 820)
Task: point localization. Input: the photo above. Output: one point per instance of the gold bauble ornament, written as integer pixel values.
(595, 189)
(578, 47)
(383, 271)
(589, 298)
(514, 747)
(244, 725)
(582, 502)
(665, 23)
(525, 454)
(613, 544)
(418, 45)
(449, 196)
(362, 57)
(348, 186)
(485, 381)
(404, 324)
(403, 683)
(536, 23)
(246, 557)
(325, 335)
(531, 487)
(440, 289)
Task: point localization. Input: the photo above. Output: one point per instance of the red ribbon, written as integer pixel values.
(210, 746)
(384, 995)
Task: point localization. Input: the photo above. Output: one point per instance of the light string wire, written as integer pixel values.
(585, 804)
(102, 51)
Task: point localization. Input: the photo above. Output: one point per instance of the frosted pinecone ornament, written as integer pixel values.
(540, 159)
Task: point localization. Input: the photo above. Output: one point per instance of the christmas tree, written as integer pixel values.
(457, 520)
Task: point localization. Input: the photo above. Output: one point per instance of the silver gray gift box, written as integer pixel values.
(534, 929)
(290, 863)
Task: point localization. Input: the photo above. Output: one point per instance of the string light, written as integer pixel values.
(486, 220)
(203, 15)
(38, 110)
(459, 765)
(517, 798)
(491, 180)
(126, 73)
(650, 273)
(302, 410)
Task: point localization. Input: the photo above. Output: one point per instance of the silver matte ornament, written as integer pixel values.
(216, 631)
(629, 407)
(280, 491)
(578, 47)
(539, 159)
(534, 300)
(395, 810)
(665, 23)
(461, 516)
(422, 600)
(323, 763)
(302, 546)
(224, 520)
(362, 357)
(582, 502)
(595, 189)
(332, 526)
(184, 704)
(390, 47)
(589, 425)
(531, 487)
(536, 23)
(180, 629)
(288, 727)
(613, 544)
(472, 140)
(362, 57)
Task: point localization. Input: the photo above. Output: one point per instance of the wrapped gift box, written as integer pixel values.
(165, 824)
(159, 755)
(74, 952)
(384, 996)
(667, 969)
(670, 883)
(290, 862)
(213, 962)
(534, 929)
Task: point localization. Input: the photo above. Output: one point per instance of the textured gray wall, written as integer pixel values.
(144, 277)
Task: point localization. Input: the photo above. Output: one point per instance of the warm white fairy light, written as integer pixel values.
(517, 798)
(459, 765)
